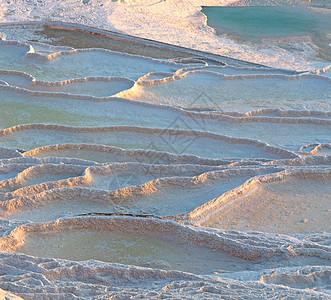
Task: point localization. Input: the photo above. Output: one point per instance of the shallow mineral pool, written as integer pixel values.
(274, 24)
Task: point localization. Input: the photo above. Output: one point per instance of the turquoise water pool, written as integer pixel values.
(264, 22)
(254, 24)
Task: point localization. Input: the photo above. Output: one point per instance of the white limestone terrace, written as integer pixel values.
(93, 279)
(300, 128)
(97, 107)
(175, 141)
(99, 194)
(297, 92)
(43, 192)
(178, 22)
(88, 62)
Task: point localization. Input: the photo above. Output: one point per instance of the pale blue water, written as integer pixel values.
(253, 24)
